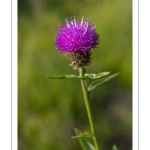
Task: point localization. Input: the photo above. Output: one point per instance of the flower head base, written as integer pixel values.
(79, 59)
(77, 38)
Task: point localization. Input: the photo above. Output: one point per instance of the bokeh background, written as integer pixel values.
(49, 110)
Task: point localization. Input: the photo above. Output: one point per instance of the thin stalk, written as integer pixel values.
(88, 108)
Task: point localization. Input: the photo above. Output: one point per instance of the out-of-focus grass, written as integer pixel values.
(48, 110)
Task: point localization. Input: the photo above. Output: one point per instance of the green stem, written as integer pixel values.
(88, 108)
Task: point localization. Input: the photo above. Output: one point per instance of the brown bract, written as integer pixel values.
(79, 59)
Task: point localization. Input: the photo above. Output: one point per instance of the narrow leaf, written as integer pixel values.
(85, 144)
(83, 135)
(96, 83)
(64, 77)
(114, 147)
(96, 75)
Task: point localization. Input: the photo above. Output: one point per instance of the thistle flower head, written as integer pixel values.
(75, 39)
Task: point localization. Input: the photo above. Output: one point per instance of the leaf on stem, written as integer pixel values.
(96, 83)
(114, 147)
(83, 135)
(64, 77)
(85, 144)
(96, 75)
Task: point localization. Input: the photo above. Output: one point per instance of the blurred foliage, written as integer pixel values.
(49, 110)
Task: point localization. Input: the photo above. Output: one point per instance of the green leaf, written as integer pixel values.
(64, 77)
(96, 75)
(83, 135)
(94, 84)
(114, 147)
(85, 144)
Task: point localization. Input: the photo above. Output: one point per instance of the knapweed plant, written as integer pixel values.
(77, 39)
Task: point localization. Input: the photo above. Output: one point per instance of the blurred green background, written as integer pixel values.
(49, 110)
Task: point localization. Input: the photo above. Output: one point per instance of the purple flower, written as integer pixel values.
(77, 37)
